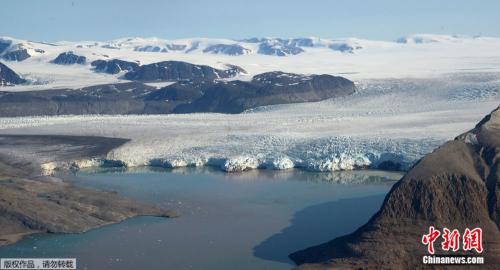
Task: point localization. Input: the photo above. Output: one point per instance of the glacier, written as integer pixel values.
(386, 122)
(412, 95)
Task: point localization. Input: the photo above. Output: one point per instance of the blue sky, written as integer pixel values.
(52, 20)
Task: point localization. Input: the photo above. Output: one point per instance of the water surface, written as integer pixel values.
(242, 221)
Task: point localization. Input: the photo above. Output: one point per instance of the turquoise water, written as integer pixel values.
(242, 221)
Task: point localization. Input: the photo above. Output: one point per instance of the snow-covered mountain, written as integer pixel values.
(408, 95)
(265, 46)
(10, 47)
(413, 56)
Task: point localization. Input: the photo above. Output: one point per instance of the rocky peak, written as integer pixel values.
(17, 55)
(278, 47)
(114, 66)
(228, 49)
(456, 186)
(177, 71)
(8, 76)
(69, 58)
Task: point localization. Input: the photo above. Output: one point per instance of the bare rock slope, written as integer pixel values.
(30, 203)
(456, 186)
(199, 94)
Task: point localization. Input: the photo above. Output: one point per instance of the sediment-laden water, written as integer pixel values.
(251, 220)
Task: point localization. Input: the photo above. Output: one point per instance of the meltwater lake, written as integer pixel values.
(249, 220)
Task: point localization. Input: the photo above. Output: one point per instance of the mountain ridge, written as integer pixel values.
(456, 186)
(274, 46)
(351, 57)
(204, 91)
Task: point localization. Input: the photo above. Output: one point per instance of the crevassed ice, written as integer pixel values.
(324, 154)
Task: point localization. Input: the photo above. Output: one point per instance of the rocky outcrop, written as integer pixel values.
(344, 47)
(457, 186)
(182, 97)
(301, 42)
(69, 58)
(47, 205)
(267, 89)
(12, 50)
(278, 48)
(176, 71)
(114, 66)
(17, 55)
(8, 76)
(184, 91)
(227, 49)
(149, 48)
(176, 47)
(121, 98)
(30, 203)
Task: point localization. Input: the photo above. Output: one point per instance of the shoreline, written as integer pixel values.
(51, 169)
(33, 203)
(438, 191)
(28, 180)
(10, 239)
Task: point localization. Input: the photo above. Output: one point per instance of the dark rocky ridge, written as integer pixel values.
(176, 47)
(278, 49)
(123, 98)
(149, 48)
(11, 50)
(114, 66)
(17, 55)
(301, 42)
(280, 46)
(456, 186)
(344, 47)
(267, 89)
(228, 49)
(181, 97)
(177, 70)
(8, 76)
(69, 58)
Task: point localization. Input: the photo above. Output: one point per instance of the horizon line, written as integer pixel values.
(455, 35)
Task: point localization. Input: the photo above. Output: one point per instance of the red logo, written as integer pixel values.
(451, 240)
(472, 239)
(428, 239)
